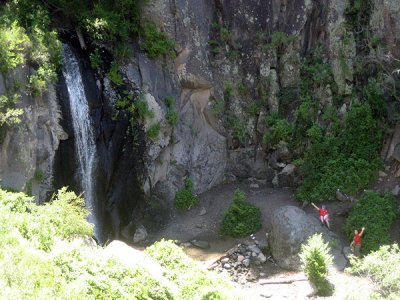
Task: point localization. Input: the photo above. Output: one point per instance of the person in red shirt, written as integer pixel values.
(356, 243)
(323, 215)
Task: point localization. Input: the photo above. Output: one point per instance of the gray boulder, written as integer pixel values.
(291, 227)
(140, 234)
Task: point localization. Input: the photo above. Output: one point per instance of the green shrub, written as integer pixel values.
(141, 109)
(377, 213)
(153, 130)
(9, 115)
(184, 198)
(347, 157)
(155, 42)
(193, 281)
(95, 60)
(382, 266)
(278, 130)
(237, 126)
(171, 116)
(315, 261)
(13, 45)
(242, 218)
(218, 106)
(115, 75)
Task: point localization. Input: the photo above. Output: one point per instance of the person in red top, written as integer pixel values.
(323, 215)
(356, 243)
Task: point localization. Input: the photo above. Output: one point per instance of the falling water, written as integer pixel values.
(85, 146)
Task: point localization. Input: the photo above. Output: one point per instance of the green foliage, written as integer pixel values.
(243, 89)
(192, 281)
(215, 47)
(382, 266)
(278, 130)
(184, 198)
(39, 175)
(26, 37)
(155, 42)
(253, 109)
(39, 225)
(115, 75)
(242, 218)
(171, 116)
(280, 39)
(373, 93)
(377, 213)
(141, 108)
(8, 114)
(95, 60)
(37, 264)
(218, 105)
(347, 158)
(228, 91)
(13, 43)
(153, 130)
(237, 126)
(316, 260)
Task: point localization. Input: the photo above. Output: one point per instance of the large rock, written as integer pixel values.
(291, 227)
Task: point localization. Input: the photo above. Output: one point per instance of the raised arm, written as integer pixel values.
(316, 207)
(362, 231)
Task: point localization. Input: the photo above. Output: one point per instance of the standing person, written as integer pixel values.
(323, 215)
(356, 243)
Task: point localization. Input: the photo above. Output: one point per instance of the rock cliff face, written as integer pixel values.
(236, 63)
(231, 52)
(28, 149)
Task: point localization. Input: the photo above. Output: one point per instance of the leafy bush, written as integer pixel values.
(26, 37)
(65, 271)
(155, 42)
(153, 130)
(345, 158)
(382, 266)
(237, 126)
(13, 43)
(279, 130)
(316, 260)
(242, 218)
(193, 281)
(171, 116)
(184, 198)
(377, 213)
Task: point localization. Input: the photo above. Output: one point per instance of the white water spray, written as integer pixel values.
(85, 146)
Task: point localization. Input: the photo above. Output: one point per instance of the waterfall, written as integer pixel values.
(85, 146)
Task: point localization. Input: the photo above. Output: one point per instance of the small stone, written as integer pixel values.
(253, 254)
(203, 211)
(262, 274)
(254, 185)
(200, 244)
(227, 266)
(266, 295)
(225, 260)
(382, 174)
(185, 245)
(261, 257)
(254, 248)
(246, 262)
(396, 190)
(140, 234)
